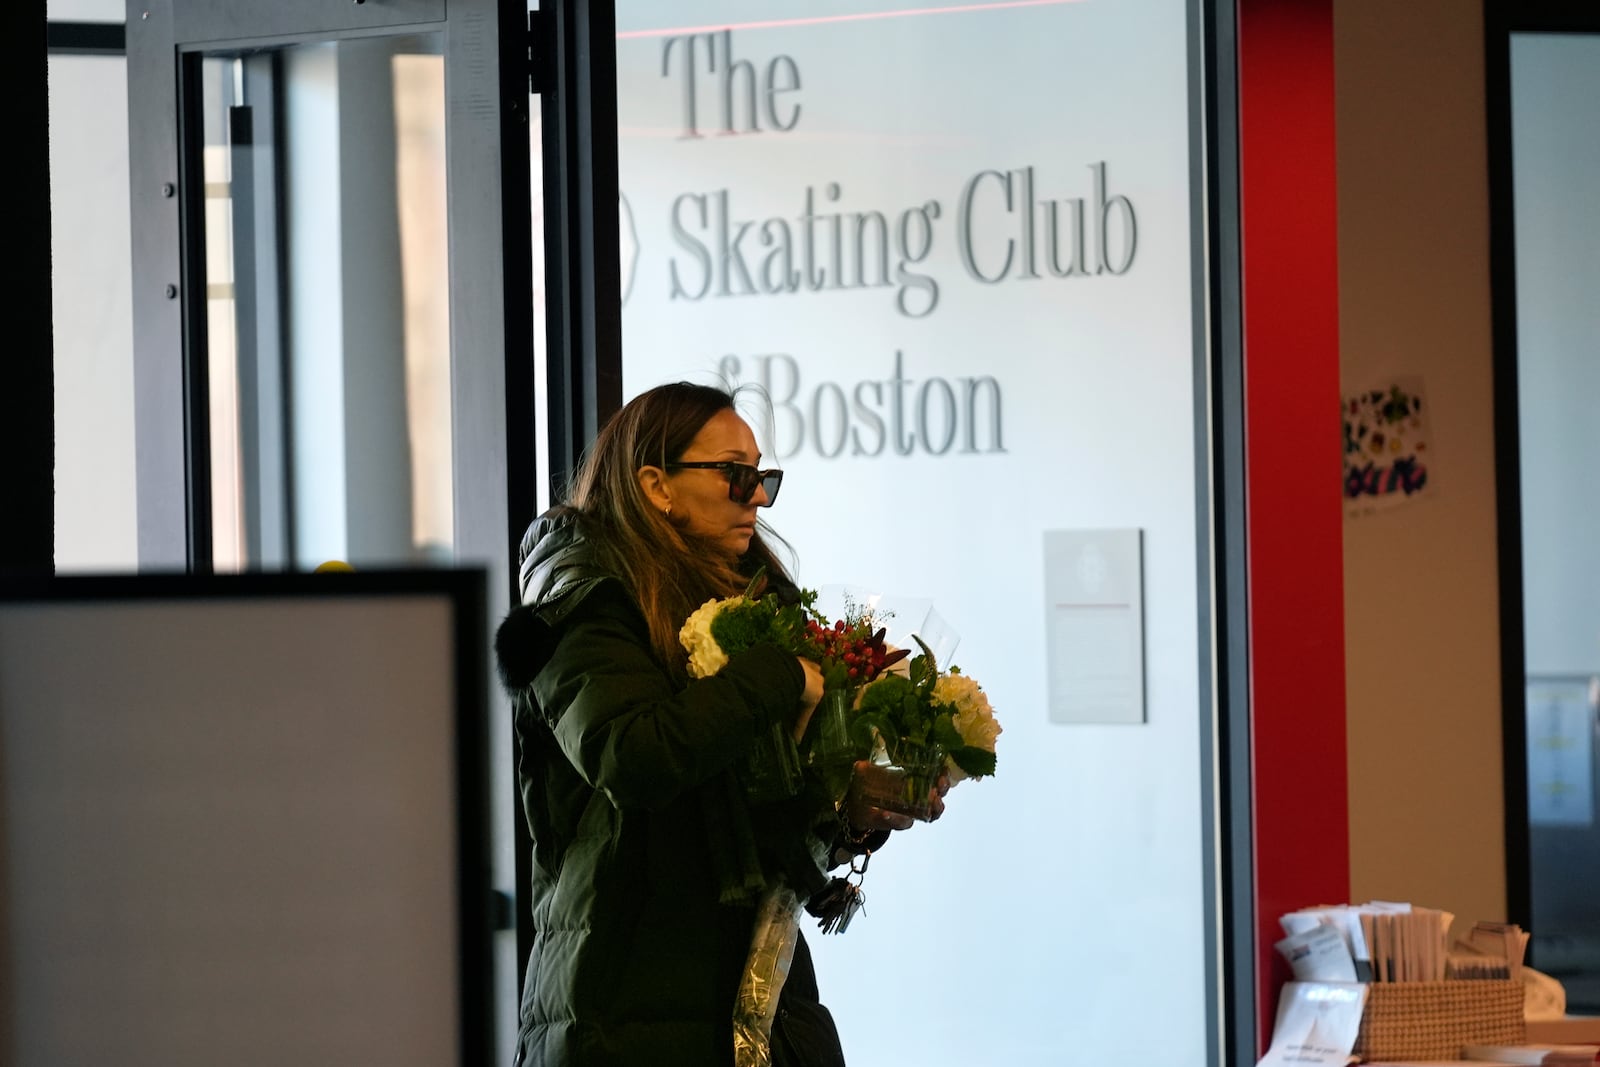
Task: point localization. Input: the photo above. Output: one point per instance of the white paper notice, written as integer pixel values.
(1095, 625)
(1319, 954)
(1317, 1024)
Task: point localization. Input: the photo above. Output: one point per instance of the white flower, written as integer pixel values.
(973, 719)
(705, 655)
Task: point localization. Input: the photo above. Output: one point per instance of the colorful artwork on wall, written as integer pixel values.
(1387, 452)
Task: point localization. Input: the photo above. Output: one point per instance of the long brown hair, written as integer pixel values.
(669, 570)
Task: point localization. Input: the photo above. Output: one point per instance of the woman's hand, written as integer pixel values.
(809, 698)
(936, 795)
(866, 818)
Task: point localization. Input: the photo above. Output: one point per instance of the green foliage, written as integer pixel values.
(892, 707)
(946, 734)
(899, 707)
(742, 626)
(748, 623)
(975, 761)
(896, 708)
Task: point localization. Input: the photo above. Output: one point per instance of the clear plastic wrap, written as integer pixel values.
(772, 945)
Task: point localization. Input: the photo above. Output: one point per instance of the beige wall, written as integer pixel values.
(1421, 604)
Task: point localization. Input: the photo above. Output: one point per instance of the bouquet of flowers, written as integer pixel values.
(719, 629)
(849, 655)
(866, 710)
(921, 724)
(851, 652)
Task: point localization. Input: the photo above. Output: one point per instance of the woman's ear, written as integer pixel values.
(653, 483)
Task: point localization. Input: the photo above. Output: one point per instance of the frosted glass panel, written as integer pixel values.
(86, 10)
(1555, 156)
(91, 294)
(960, 300)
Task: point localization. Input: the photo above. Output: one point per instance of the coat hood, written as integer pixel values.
(555, 557)
(557, 570)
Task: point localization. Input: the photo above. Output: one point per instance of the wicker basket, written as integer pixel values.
(1434, 1020)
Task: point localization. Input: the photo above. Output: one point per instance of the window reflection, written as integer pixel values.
(960, 306)
(327, 299)
(1555, 159)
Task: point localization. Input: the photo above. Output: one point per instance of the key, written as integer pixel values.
(857, 901)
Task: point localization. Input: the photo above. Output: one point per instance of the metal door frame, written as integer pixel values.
(497, 54)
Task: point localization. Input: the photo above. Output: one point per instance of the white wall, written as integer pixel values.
(1421, 599)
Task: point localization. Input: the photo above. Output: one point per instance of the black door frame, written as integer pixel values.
(1229, 919)
(27, 411)
(1502, 18)
(571, 45)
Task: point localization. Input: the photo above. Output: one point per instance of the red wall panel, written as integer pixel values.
(1289, 259)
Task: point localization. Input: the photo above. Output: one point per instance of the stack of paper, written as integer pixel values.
(1380, 941)
(1490, 950)
(1317, 1024)
(1408, 943)
(1325, 944)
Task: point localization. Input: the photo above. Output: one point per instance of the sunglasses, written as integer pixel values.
(742, 479)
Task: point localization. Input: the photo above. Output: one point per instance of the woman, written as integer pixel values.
(647, 858)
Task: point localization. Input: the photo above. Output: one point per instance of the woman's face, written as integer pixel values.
(699, 496)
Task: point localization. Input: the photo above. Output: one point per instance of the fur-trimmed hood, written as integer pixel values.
(557, 570)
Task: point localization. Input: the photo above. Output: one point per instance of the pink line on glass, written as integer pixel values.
(817, 20)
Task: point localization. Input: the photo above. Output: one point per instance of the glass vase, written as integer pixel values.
(771, 769)
(903, 785)
(830, 754)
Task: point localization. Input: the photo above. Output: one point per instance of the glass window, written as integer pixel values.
(1555, 156)
(327, 305)
(962, 296)
(86, 10)
(91, 280)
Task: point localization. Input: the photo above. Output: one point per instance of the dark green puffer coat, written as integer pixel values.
(634, 962)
